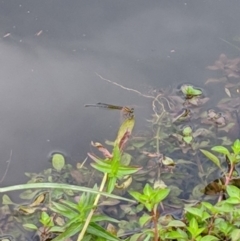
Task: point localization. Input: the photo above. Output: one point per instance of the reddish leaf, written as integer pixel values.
(102, 149)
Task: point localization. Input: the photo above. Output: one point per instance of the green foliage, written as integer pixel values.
(112, 165)
(113, 168)
(76, 215)
(189, 91)
(150, 197)
(212, 157)
(46, 220)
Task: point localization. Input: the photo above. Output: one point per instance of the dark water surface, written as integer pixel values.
(50, 52)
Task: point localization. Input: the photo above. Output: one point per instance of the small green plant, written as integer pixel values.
(207, 222)
(76, 215)
(151, 199)
(189, 91)
(48, 230)
(58, 161)
(111, 166)
(200, 222)
(232, 159)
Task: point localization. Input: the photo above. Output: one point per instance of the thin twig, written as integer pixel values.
(233, 45)
(155, 98)
(158, 117)
(8, 164)
(125, 88)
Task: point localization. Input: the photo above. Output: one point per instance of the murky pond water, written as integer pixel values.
(57, 55)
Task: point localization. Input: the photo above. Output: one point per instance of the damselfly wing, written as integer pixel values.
(127, 111)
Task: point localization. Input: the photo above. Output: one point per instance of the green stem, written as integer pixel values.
(155, 221)
(88, 220)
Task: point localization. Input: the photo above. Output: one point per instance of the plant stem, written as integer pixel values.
(155, 221)
(88, 220)
(228, 179)
(157, 140)
(229, 176)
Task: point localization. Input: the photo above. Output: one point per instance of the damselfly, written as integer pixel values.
(127, 112)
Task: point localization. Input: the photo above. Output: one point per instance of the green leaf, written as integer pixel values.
(58, 162)
(98, 231)
(126, 159)
(236, 147)
(235, 235)
(30, 226)
(111, 184)
(147, 190)
(28, 194)
(233, 200)
(188, 139)
(231, 157)
(161, 195)
(136, 195)
(116, 156)
(212, 157)
(6, 200)
(99, 218)
(63, 210)
(193, 224)
(71, 230)
(189, 90)
(210, 207)
(209, 238)
(187, 131)
(195, 211)
(144, 219)
(127, 170)
(101, 168)
(233, 191)
(205, 215)
(149, 206)
(225, 227)
(46, 220)
(224, 207)
(199, 231)
(44, 216)
(70, 204)
(98, 160)
(57, 229)
(196, 92)
(177, 235)
(136, 237)
(176, 223)
(221, 149)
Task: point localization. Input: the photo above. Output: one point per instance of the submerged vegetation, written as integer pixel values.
(177, 180)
